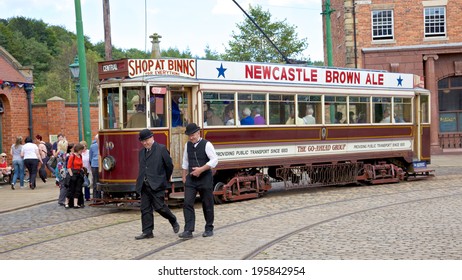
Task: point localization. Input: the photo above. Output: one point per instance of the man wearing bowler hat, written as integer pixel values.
(155, 170)
(199, 158)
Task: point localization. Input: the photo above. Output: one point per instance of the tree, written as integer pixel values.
(175, 53)
(211, 54)
(249, 44)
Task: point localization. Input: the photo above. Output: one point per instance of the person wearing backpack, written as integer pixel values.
(49, 147)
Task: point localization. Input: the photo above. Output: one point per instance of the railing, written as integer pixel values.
(450, 140)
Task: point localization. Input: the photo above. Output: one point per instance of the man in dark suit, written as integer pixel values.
(155, 170)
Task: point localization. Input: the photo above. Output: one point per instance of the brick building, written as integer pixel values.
(411, 36)
(56, 116)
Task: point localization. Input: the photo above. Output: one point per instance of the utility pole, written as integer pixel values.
(326, 13)
(83, 73)
(107, 29)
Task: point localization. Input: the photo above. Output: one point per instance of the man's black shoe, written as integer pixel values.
(144, 236)
(176, 227)
(186, 235)
(207, 233)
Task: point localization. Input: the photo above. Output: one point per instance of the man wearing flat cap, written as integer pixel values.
(155, 170)
(199, 158)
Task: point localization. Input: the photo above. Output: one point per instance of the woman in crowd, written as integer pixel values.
(43, 155)
(5, 170)
(61, 170)
(86, 165)
(18, 163)
(75, 171)
(30, 154)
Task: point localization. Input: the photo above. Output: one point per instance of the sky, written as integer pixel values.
(183, 24)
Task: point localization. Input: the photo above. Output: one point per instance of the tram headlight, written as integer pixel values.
(108, 163)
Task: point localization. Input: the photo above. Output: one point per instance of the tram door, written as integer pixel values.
(180, 115)
(421, 127)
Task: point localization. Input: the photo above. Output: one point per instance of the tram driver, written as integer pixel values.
(177, 114)
(138, 119)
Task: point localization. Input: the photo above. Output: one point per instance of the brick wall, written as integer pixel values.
(408, 29)
(56, 116)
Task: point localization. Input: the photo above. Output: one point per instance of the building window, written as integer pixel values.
(450, 104)
(382, 25)
(435, 22)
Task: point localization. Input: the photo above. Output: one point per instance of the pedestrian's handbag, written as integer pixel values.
(67, 180)
(86, 182)
(52, 162)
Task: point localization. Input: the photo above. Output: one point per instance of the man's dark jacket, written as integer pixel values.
(156, 166)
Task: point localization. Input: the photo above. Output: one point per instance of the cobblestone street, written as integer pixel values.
(409, 221)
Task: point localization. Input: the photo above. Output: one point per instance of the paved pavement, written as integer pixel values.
(47, 192)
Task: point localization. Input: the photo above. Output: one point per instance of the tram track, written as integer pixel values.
(271, 243)
(274, 241)
(169, 244)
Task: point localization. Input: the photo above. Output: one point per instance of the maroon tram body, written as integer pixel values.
(374, 128)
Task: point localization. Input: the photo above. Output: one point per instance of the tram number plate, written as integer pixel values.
(419, 164)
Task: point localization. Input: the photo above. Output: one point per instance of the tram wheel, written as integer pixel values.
(218, 188)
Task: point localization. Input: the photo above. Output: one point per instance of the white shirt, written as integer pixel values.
(30, 151)
(209, 150)
(86, 160)
(309, 119)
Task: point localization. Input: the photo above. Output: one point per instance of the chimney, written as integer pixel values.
(155, 45)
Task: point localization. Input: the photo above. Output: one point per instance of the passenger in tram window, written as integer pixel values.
(205, 108)
(309, 119)
(352, 117)
(230, 117)
(257, 118)
(246, 118)
(177, 114)
(212, 119)
(294, 119)
(398, 119)
(386, 116)
(226, 115)
(361, 118)
(138, 119)
(338, 117)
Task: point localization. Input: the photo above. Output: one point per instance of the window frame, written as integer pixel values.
(433, 22)
(387, 24)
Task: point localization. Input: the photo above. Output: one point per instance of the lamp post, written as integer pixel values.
(28, 89)
(83, 75)
(75, 71)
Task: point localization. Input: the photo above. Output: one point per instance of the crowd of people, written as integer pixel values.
(70, 164)
(74, 167)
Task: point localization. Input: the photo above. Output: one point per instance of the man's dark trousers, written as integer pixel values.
(153, 201)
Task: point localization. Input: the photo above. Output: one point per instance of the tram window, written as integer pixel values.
(157, 104)
(110, 108)
(402, 110)
(335, 109)
(309, 109)
(134, 113)
(358, 109)
(382, 109)
(424, 109)
(218, 109)
(280, 107)
(252, 108)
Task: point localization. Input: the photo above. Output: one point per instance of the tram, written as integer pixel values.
(301, 125)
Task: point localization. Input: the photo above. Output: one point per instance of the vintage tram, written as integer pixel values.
(305, 126)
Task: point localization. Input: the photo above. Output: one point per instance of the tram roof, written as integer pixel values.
(191, 71)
